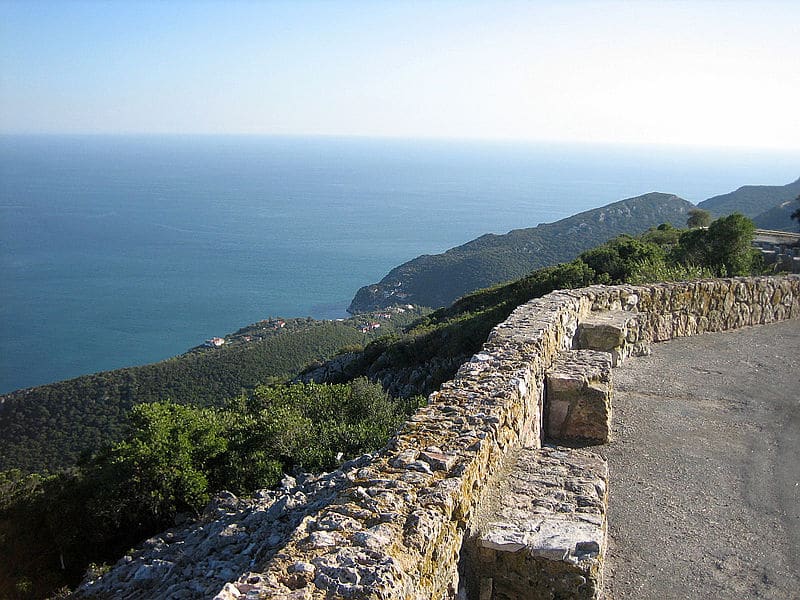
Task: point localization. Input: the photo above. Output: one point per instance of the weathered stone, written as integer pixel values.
(152, 571)
(531, 553)
(503, 538)
(404, 458)
(438, 460)
(374, 538)
(578, 397)
(615, 331)
(228, 592)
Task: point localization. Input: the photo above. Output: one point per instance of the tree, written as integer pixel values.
(796, 214)
(725, 247)
(619, 258)
(698, 218)
(665, 236)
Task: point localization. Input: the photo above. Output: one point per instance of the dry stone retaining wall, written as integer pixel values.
(395, 526)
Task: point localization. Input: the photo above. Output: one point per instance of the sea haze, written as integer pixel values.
(120, 250)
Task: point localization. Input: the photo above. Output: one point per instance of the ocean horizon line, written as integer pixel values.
(500, 141)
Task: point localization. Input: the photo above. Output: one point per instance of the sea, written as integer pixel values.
(124, 250)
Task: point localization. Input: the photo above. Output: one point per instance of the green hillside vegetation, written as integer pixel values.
(167, 465)
(779, 217)
(171, 457)
(438, 280)
(431, 351)
(48, 427)
(751, 200)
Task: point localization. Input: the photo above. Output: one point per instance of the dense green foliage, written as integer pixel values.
(619, 259)
(48, 427)
(725, 247)
(698, 218)
(438, 280)
(172, 458)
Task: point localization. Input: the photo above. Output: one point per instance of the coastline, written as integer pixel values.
(123, 250)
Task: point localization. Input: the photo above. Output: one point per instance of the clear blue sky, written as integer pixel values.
(706, 73)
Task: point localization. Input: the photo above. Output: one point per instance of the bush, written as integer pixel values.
(650, 271)
(618, 259)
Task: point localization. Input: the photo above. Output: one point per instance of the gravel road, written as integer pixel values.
(705, 469)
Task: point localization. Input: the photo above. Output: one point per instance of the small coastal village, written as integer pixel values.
(370, 324)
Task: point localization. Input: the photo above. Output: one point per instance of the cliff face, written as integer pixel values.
(438, 280)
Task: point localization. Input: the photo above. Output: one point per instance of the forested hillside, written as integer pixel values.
(437, 280)
(47, 427)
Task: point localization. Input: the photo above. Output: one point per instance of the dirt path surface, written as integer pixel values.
(705, 469)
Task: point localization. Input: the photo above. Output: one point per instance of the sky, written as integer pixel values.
(706, 73)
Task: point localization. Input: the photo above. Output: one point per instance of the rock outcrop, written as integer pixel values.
(197, 560)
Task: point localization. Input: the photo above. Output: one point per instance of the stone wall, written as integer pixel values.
(394, 526)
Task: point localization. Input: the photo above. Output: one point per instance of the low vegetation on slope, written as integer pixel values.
(173, 456)
(437, 280)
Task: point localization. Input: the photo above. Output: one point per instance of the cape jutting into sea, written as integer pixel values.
(119, 250)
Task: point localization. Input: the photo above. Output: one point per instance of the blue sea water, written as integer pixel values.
(122, 250)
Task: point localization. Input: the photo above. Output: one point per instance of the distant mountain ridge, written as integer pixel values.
(439, 279)
(779, 217)
(751, 200)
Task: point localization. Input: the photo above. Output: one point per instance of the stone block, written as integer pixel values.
(540, 529)
(578, 397)
(617, 332)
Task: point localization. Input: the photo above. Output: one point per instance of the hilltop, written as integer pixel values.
(439, 279)
(751, 200)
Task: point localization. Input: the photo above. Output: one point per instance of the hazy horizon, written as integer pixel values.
(710, 74)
